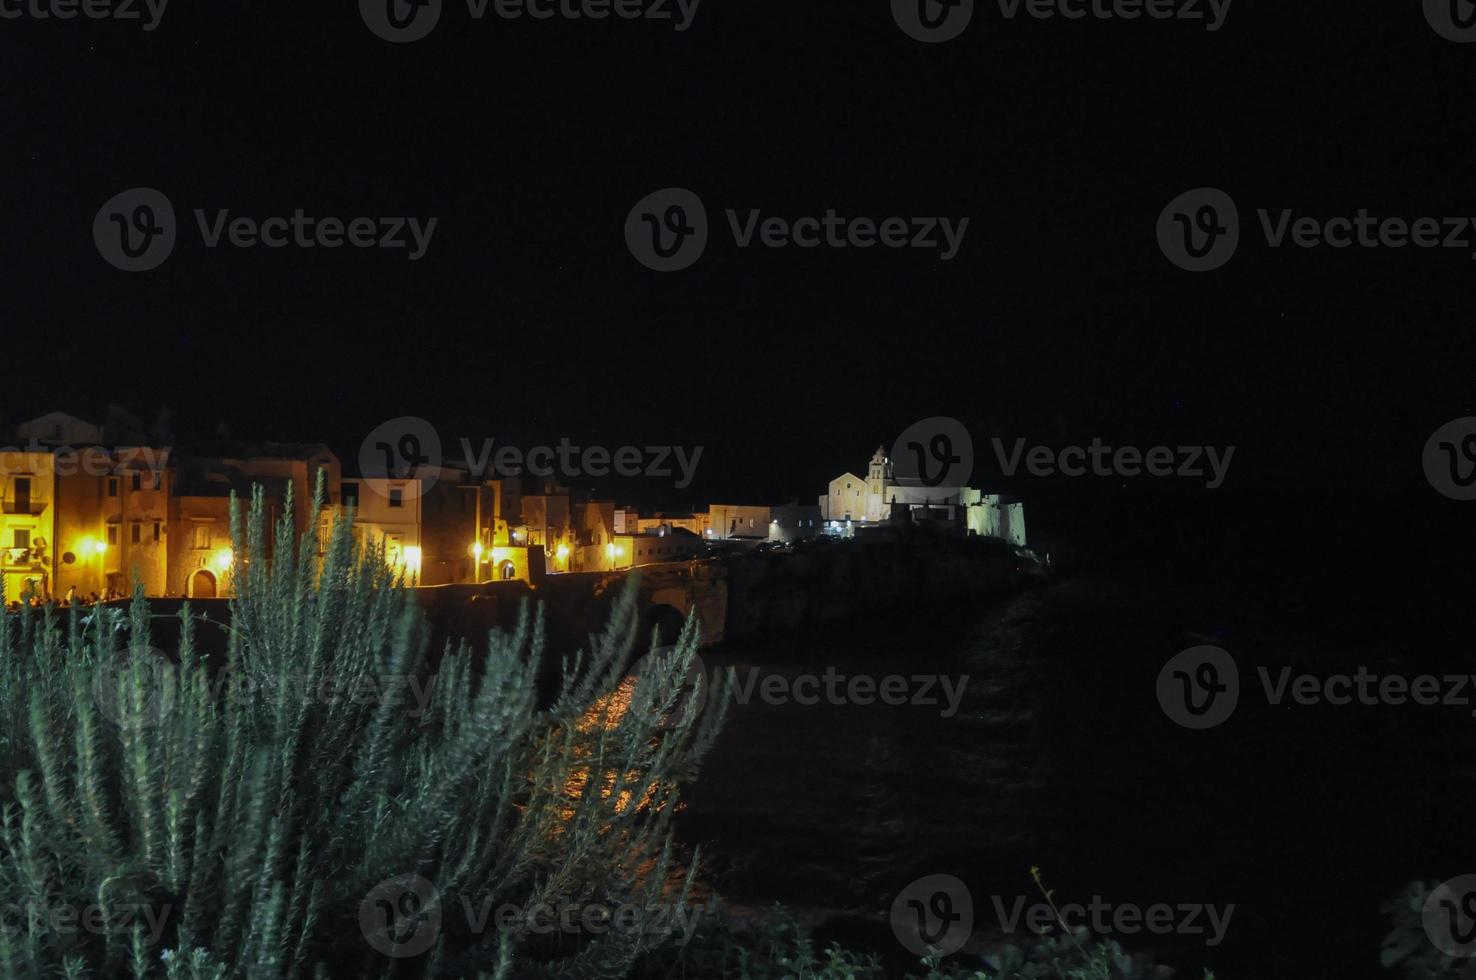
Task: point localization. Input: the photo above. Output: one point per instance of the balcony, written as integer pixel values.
(22, 559)
(27, 504)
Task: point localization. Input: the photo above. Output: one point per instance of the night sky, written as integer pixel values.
(529, 320)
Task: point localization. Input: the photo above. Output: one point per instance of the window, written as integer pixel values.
(158, 530)
(396, 497)
(158, 479)
(202, 537)
(349, 494)
(22, 537)
(135, 532)
(23, 494)
(112, 486)
(136, 482)
(112, 534)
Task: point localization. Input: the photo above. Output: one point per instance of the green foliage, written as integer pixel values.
(776, 947)
(168, 820)
(1068, 957)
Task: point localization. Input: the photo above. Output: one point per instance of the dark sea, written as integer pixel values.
(1305, 818)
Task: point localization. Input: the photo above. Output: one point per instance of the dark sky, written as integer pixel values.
(528, 319)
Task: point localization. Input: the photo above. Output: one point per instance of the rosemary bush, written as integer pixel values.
(264, 819)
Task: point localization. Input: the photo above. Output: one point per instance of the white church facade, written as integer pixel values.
(877, 499)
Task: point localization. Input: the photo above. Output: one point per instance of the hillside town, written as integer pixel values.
(85, 512)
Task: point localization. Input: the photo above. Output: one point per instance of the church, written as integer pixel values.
(879, 499)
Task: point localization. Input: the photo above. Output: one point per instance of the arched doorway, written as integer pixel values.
(202, 585)
(507, 571)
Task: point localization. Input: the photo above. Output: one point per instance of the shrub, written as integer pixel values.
(162, 819)
(777, 947)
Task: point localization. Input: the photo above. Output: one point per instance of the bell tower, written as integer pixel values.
(878, 478)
